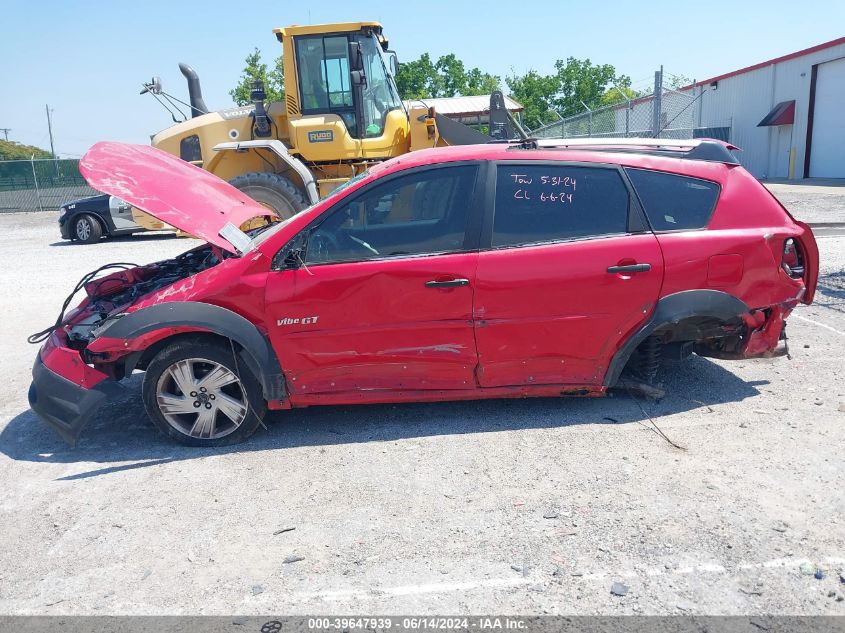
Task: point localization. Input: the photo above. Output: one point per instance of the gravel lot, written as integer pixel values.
(522, 507)
(812, 202)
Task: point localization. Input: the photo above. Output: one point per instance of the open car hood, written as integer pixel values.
(170, 189)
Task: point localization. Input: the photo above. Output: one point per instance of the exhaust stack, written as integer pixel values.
(261, 122)
(198, 106)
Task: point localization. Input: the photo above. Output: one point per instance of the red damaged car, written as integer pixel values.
(546, 268)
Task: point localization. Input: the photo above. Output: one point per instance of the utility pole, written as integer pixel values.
(50, 130)
(658, 102)
(35, 181)
(6, 131)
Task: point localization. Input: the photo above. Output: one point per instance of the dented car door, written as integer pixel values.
(568, 268)
(379, 294)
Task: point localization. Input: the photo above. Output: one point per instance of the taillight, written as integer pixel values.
(792, 261)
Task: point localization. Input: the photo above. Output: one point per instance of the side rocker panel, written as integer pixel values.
(672, 309)
(209, 318)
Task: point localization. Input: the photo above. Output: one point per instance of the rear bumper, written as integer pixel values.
(63, 404)
(765, 330)
(762, 341)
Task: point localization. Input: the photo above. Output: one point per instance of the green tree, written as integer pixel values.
(451, 75)
(10, 150)
(479, 83)
(447, 77)
(535, 92)
(417, 79)
(619, 94)
(574, 83)
(582, 82)
(676, 82)
(274, 79)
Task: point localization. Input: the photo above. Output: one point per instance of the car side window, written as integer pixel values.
(674, 202)
(417, 213)
(547, 203)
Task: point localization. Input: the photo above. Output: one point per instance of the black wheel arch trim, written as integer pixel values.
(673, 309)
(258, 352)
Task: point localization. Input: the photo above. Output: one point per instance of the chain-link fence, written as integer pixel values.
(673, 114)
(40, 185)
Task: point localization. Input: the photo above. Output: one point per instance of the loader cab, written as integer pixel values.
(347, 73)
(325, 81)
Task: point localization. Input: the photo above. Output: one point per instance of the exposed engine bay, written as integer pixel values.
(109, 294)
(124, 288)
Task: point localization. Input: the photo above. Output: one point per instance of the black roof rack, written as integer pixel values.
(705, 149)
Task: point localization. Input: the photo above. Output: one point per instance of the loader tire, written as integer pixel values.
(273, 191)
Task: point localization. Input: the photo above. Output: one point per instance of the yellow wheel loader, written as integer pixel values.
(341, 113)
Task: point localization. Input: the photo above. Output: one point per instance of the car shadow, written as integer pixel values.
(121, 431)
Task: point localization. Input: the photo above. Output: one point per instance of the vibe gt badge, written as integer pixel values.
(309, 320)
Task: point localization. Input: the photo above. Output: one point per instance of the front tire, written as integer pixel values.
(273, 191)
(197, 393)
(87, 229)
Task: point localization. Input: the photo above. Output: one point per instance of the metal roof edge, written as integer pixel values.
(769, 62)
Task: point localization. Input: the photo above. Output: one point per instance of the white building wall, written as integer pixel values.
(828, 143)
(746, 98)
(741, 101)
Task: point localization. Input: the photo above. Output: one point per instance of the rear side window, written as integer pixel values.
(674, 202)
(547, 203)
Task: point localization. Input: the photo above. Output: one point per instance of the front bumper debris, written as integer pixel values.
(61, 403)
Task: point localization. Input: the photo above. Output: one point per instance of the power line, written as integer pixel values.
(6, 131)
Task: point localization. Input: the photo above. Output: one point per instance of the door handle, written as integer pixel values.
(451, 283)
(630, 268)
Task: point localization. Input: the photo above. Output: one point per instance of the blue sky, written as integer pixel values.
(88, 59)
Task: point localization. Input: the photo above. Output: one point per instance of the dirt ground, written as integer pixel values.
(520, 507)
(814, 200)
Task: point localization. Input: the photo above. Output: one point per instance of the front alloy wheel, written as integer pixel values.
(199, 394)
(201, 398)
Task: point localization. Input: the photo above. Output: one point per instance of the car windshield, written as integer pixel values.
(261, 234)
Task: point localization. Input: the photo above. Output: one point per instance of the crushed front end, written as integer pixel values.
(65, 391)
(69, 380)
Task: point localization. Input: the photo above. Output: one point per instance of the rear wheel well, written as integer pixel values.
(688, 315)
(676, 340)
(698, 328)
